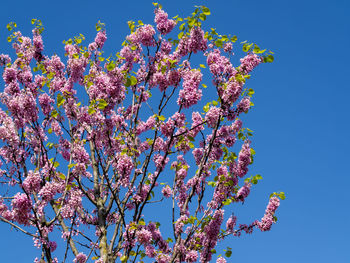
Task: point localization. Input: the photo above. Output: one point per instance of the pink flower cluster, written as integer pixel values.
(145, 126)
(144, 236)
(244, 159)
(197, 41)
(80, 258)
(21, 207)
(213, 116)
(212, 230)
(231, 223)
(190, 94)
(32, 183)
(243, 105)
(124, 168)
(243, 192)
(167, 191)
(4, 59)
(100, 38)
(164, 25)
(144, 35)
(219, 66)
(268, 219)
(221, 260)
(249, 62)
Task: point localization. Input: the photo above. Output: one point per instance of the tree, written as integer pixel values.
(87, 143)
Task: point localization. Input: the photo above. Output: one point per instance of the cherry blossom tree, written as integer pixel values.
(90, 142)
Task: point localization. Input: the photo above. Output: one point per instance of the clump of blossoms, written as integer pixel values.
(147, 144)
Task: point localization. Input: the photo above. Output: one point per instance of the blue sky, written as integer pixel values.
(300, 119)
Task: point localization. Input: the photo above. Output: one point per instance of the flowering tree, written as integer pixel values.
(86, 149)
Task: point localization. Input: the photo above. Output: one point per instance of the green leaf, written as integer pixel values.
(246, 47)
(233, 39)
(60, 100)
(190, 138)
(180, 35)
(133, 80)
(202, 17)
(54, 114)
(251, 92)
(218, 43)
(215, 103)
(227, 202)
(282, 195)
(258, 176)
(269, 59)
(202, 66)
(128, 82)
(228, 253)
(102, 104)
(252, 151)
(110, 66)
(211, 183)
(181, 27)
(71, 165)
(206, 11)
(91, 110)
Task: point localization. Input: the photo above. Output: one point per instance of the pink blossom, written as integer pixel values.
(231, 223)
(244, 159)
(144, 236)
(124, 168)
(21, 205)
(167, 191)
(150, 251)
(46, 103)
(197, 41)
(80, 258)
(243, 192)
(219, 65)
(163, 258)
(143, 35)
(191, 256)
(197, 154)
(166, 47)
(190, 94)
(212, 116)
(228, 47)
(243, 105)
(9, 75)
(164, 25)
(249, 62)
(32, 183)
(4, 59)
(268, 219)
(100, 38)
(159, 161)
(221, 260)
(212, 230)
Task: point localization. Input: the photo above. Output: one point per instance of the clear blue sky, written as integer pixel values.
(300, 119)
